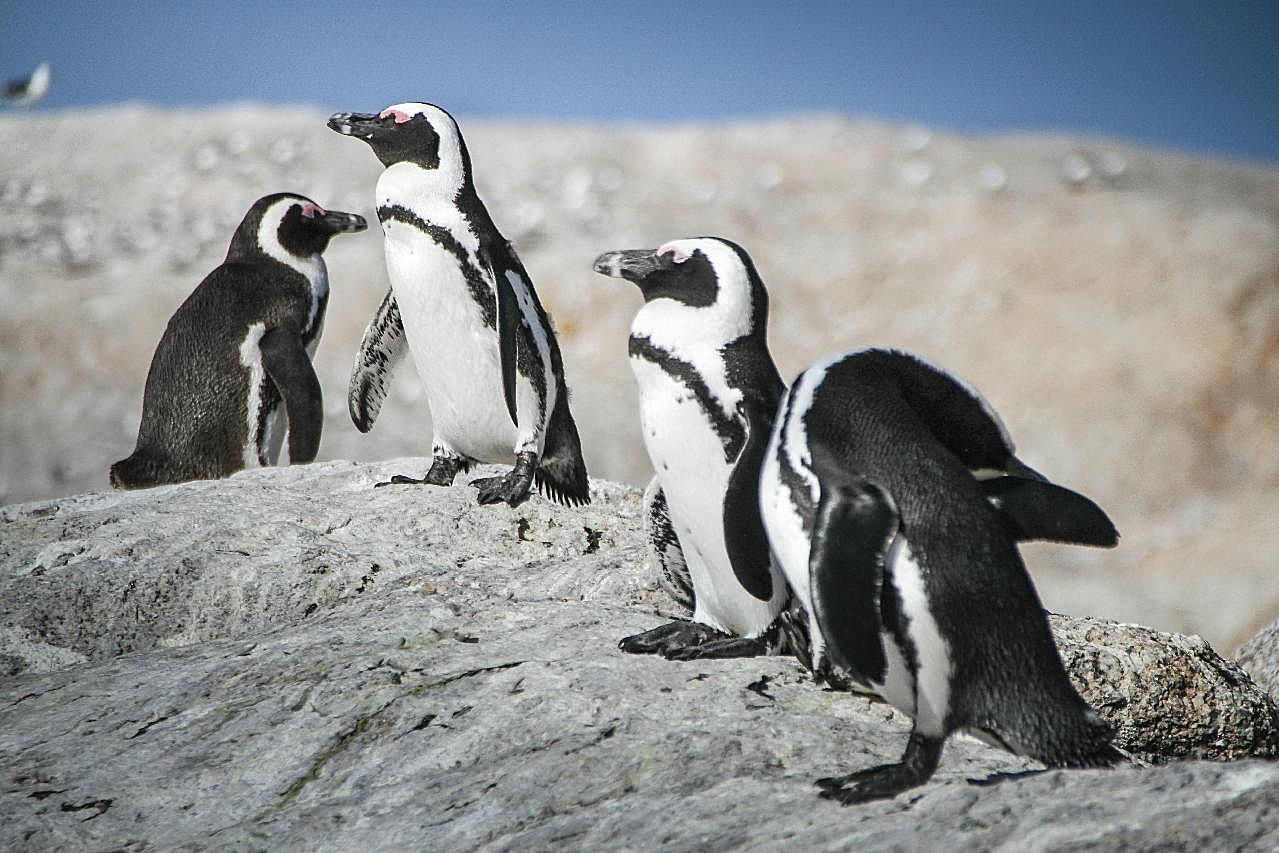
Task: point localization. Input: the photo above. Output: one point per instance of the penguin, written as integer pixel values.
(873, 495)
(27, 91)
(708, 391)
(463, 305)
(236, 355)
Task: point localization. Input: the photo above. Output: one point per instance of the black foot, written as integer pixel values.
(514, 486)
(888, 780)
(443, 470)
(684, 640)
(732, 647)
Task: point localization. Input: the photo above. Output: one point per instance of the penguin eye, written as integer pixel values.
(677, 254)
(399, 115)
(312, 211)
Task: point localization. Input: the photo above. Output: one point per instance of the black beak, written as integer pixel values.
(336, 221)
(360, 125)
(634, 265)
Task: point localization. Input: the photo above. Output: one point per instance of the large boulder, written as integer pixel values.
(291, 658)
(1260, 658)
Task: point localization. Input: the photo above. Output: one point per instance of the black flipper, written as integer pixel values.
(285, 360)
(854, 527)
(509, 321)
(922, 755)
(744, 536)
(1036, 509)
(665, 549)
(382, 347)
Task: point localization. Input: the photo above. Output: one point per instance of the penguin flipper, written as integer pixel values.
(285, 360)
(381, 349)
(744, 537)
(667, 553)
(1037, 509)
(853, 529)
(508, 326)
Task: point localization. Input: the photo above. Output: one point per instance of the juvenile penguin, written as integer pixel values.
(236, 355)
(463, 305)
(907, 567)
(708, 390)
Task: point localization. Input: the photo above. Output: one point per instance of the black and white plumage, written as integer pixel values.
(463, 305)
(907, 566)
(236, 355)
(31, 89)
(708, 390)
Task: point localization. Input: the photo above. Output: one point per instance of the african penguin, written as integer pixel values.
(463, 305)
(236, 355)
(708, 391)
(907, 566)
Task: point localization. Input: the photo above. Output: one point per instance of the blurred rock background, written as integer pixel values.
(1118, 306)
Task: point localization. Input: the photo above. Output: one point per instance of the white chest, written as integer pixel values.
(456, 354)
(688, 458)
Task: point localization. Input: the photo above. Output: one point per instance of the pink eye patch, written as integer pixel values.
(399, 115)
(679, 255)
(311, 211)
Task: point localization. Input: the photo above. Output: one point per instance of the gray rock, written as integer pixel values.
(1260, 658)
(1167, 695)
(291, 659)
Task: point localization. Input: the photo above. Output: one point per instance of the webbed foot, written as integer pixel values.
(887, 780)
(512, 487)
(685, 640)
(443, 470)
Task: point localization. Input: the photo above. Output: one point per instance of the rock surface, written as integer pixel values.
(1119, 306)
(1260, 658)
(292, 659)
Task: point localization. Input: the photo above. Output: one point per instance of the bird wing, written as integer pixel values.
(744, 535)
(498, 261)
(667, 552)
(853, 531)
(285, 360)
(381, 350)
(967, 425)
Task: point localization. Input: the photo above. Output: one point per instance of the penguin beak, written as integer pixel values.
(634, 265)
(360, 125)
(336, 222)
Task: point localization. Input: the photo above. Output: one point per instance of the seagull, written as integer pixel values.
(26, 92)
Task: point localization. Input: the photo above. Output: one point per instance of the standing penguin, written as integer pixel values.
(893, 501)
(708, 391)
(462, 304)
(238, 350)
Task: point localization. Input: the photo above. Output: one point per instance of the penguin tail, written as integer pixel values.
(136, 472)
(561, 476)
(564, 481)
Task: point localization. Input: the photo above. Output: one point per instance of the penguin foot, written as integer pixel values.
(888, 780)
(443, 470)
(731, 647)
(678, 640)
(514, 486)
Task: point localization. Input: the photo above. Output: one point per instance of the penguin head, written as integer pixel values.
(707, 274)
(412, 132)
(288, 226)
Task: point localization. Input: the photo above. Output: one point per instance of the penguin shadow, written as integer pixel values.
(996, 778)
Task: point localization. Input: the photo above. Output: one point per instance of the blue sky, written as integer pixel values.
(1196, 76)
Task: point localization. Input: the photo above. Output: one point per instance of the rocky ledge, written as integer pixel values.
(292, 659)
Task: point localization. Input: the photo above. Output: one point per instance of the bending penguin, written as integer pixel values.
(463, 305)
(893, 500)
(708, 390)
(236, 355)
